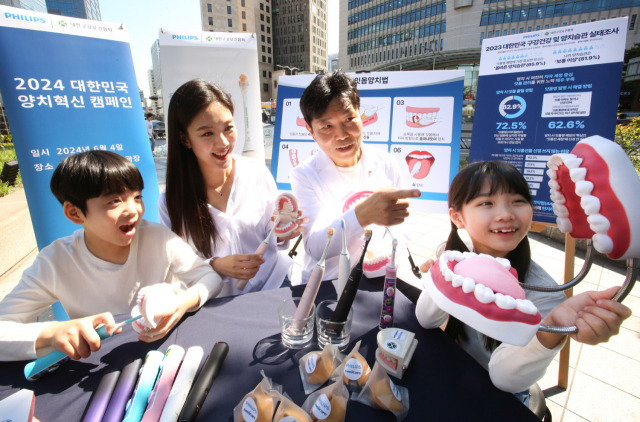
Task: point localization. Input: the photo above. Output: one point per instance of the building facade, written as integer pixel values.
(156, 105)
(245, 16)
(35, 5)
(84, 9)
(377, 35)
(300, 35)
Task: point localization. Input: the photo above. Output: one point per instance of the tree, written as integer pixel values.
(628, 137)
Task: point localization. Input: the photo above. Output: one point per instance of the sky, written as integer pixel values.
(144, 18)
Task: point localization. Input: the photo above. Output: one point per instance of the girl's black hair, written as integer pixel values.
(466, 186)
(91, 174)
(186, 193)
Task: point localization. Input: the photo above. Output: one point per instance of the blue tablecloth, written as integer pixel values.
(445, 384)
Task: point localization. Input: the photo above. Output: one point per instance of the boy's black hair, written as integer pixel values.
(466, 186)
(323, 89)
(90, 174)
(148, 115)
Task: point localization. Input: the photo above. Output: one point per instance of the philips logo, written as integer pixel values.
(185, 37)
(16, 16)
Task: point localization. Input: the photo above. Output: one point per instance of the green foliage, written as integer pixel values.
(8, 153)
(628, 137)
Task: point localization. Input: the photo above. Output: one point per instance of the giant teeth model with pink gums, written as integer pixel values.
(484, 293)
(596, 194)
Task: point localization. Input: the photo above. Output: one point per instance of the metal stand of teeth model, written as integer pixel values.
(633, 268)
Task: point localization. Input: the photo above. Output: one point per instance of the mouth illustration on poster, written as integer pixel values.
(421, 117)
(419, 163)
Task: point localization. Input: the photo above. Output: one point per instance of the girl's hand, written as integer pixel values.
(187, 301)
(242, 267)
(299, 229)
(426, 265)
(597, 317)
(76, 338)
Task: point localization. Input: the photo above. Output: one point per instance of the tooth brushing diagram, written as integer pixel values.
(422, 119)
(375, 113)
(415, 116)
(293, 124)
(425, 168)
(291, 154)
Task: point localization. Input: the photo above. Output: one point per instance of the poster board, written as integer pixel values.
(68, 86)
(415, 116)
(226, 58)
(540, 93)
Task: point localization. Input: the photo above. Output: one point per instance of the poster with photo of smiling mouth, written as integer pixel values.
(415, 116)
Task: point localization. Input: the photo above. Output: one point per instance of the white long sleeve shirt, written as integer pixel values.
(68, 272)
(511, 368)
(322, 190)
(244, 225)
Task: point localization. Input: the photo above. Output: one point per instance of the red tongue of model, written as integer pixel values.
(580, 226)
(492, 274)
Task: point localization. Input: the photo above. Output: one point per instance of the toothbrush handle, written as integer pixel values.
(33, 370)
(348, 295)
(388, 298)
(262, 248)
(308, 297)
(344, 268)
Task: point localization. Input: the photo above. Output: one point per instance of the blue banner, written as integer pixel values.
(69, 86)
(540, 93)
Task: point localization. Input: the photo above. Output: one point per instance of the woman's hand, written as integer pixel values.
(300, 221)
(596, 315)
(76, 338)
(242, 267)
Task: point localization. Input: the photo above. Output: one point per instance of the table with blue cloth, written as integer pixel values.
(445, 384)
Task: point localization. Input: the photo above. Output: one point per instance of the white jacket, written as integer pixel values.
(322, 192)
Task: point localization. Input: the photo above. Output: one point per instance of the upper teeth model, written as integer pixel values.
(287, 210)
(596, 194)
(483, 292)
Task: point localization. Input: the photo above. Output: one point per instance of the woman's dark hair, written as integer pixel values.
(186, 193)
(466, 186)
(323, 89)
(90, 174)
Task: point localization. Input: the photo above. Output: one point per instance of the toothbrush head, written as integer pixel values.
(367, 235)
(330, 233)
(341, 223)
(394, 246)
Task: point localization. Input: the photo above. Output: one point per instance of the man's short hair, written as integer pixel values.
(90, 174)
(323, 89)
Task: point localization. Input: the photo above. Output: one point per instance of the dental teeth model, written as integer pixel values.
(153, 300)
(287, 212)
(596, 195)
(483, 292)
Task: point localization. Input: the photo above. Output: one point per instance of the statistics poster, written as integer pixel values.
(208, 55)
(415, 116)
(69, 86)
(542, 92)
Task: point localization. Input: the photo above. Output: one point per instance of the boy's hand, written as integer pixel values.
(242, 267)
(187, 301)
(385, 207)
(76, 338)
(597, 317)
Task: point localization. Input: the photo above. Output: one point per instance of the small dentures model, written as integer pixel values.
(153, 300)
(596, 194)
(421, 117)
(293, 157)
(419, 163)
(286, 212)
(483, 292)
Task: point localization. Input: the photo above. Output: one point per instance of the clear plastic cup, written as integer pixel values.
(336, 333)
(296, 333)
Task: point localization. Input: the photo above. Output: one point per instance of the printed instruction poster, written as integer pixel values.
(416, 116)
(189, 55)
(540, 93)
(69, 86)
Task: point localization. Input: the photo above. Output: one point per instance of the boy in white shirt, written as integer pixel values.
(97, 271)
